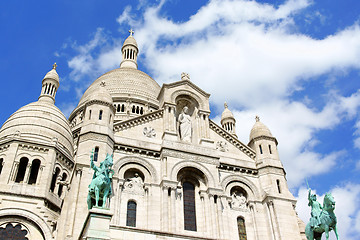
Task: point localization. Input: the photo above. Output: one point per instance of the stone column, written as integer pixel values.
(220, 217)
(208, 216)
(173, 209)
(172, 119)
(74, 196)
(252, 210)
(117, 207)
(207, 134)
(226, 223)
(213, 217)
(165, 213)
(274, 227)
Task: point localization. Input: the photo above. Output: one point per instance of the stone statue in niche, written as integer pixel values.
(185, 125)
(238, 200)
(149, 132)
(135, 184)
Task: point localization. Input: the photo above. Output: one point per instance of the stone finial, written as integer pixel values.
(225, 105)
(131, 32)
(257, 118)
(185, 76)
(54, 66)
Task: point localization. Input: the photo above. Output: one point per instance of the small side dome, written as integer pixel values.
(226, 113)
(100, 94)
(40, 122)
(259, 129)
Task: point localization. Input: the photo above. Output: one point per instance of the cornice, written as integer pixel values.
(138, 120)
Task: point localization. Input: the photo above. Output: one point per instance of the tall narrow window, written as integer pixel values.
(189, 206)
(270, 149)
(133, 109)
(100, 114)
(96, 154)
(137, 110)
(89, 114)
(45, 88)
(53, 180)
(60, 190)
(261, 151)
(278, 185)
(131, 214)
(241, 228)
(48, 90)
(21, 169)
(1, 164)
(35, 165)
(118, 108)
(122, 108)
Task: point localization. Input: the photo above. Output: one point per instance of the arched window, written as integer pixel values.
(131, 214)
(60, 190)
(137, 110)
(100, 114)
(260, 148)
(141, 111)
(89, 114)
(53, 180)
(21, 169)
(35, 165)
(241, 228)
(189, 206)
(96, 154)
(270, 149)
(1, 164)
(122, 108)
(48, 90)
(118, 108)
(133, 109)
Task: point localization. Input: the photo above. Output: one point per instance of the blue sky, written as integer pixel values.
(294, 63)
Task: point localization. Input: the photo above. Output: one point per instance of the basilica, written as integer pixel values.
(176, 173)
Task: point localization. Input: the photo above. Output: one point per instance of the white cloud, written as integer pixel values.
(347, 210)
(250, 55)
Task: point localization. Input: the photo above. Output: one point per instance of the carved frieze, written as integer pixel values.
(222, 146)
(189, 156)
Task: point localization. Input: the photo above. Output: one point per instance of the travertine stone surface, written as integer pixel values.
(45, 161)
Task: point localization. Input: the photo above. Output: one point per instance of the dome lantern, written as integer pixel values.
(228, 120)
(50, 85)
(129, 52)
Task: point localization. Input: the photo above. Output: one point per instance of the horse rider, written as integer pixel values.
(316, 209)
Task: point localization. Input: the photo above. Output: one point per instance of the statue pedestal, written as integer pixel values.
(97, 224)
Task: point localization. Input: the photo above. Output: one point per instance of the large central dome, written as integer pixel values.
(126, 83)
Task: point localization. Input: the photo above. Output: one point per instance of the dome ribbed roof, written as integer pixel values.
(130, 41)
(52, 74)
(100, 93)
(259, 129)
(42, 122)
(227, 113)
(125, 83)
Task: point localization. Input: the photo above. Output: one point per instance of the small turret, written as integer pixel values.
(50, 85)
(228, 121)
(129, 52)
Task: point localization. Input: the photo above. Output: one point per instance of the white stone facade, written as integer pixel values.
(165, 158)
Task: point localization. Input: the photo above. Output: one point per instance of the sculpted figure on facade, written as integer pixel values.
(134, 184)
(238, 200)
(185, 125)
(100, 186)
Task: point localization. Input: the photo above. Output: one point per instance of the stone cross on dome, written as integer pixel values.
(131, 32)
(257, 118)
(54, 66)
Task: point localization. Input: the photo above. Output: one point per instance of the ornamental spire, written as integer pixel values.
(129, 52)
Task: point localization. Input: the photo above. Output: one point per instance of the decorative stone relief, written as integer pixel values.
(222, 146)
(149, 132)
(238, 201)
(134, 185)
